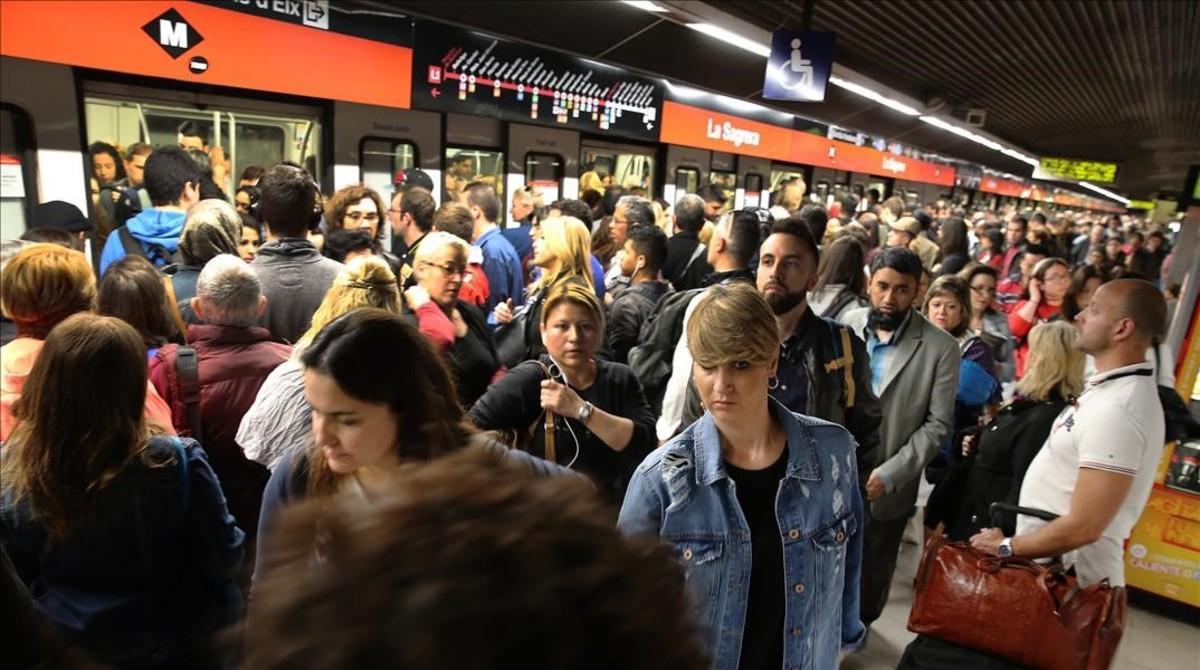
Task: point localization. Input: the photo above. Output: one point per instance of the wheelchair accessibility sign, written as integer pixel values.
(799, 66)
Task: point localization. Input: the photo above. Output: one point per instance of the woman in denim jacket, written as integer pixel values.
(752, 497)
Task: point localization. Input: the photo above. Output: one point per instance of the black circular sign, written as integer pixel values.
(198, 65)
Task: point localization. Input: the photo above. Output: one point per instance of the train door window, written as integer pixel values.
(234, 139)
(465, 165)
(544, 172)
(687, 180)
(607, 165)
(912, 198)
(727, 182)
(822, 192)
(381, 159)
(17, 184)
(879, 187)
(753, 183)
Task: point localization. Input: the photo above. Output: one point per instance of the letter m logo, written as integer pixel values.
(172, 33)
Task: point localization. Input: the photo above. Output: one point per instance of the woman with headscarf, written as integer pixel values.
(213, 227)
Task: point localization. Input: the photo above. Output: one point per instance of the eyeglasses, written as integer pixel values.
(362, 216)
(1058, 278)
(984, 290)
(449, 269)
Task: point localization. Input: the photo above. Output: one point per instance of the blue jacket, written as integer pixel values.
(502, 266)
(682, 494)
(149, 574)
(157, 227)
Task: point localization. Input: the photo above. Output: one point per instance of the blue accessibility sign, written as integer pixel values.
(799, 66)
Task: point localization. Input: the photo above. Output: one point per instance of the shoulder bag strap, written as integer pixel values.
(185, 478)
(129, 243)
(547, 419)
(187, 369)
(844, 362)
(169, 285)
(692, 261)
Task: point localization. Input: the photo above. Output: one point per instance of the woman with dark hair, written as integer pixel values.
(380, 397)
(603, 425)
(132, 290)
(840, 279)
(1084, 282)
(1041, 301)
(952, 239)
(358, 207)
(246, 198)
(252, 237)
(107, 164)
(122, 535)
(989, 322)
(991, 248)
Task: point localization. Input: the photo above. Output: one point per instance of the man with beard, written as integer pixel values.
(823, 371)
(914, 373)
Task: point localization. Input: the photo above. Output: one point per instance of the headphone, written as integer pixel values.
(314, 224)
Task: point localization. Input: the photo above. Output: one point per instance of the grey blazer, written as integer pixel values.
(918, 408)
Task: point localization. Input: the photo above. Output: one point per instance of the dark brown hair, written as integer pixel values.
(79, 419)
(378, 357)
(473, 562)
(132, 290)
(335, 209)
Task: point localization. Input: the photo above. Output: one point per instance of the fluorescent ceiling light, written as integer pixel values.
(685, 92)
(1105, 193)
(730, 37)
(646, 6)
(873, 95)
(979, 139)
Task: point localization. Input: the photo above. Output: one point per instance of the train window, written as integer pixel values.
(17, 185)
(727, 182)
(544, 172)
(912, 198)
(464, 166)
(822, 193)
(687, 180)
(605, 166)
(235, 138)
(379, 161)
(753, 183)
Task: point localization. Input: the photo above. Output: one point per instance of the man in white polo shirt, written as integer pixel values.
(1097, 466)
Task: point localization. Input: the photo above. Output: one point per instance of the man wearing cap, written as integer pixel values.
(59, 215)
(902, 232)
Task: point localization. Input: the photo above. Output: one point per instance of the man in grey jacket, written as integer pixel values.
(294, 274)
(914, 372)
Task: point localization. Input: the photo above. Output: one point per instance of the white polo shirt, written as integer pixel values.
(1116, 426)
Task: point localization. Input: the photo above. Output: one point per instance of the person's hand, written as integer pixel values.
(968, 444)
(560, 399)
(504, 312)
(1035, 291)
(988, 540)
(608, 299)
(875, 486)
(416, 297)
(220, 165)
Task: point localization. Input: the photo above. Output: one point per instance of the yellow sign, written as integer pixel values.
(1163, 553)
(1076, 170)
(1140, 204)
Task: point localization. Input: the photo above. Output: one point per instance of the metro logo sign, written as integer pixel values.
(173, 33)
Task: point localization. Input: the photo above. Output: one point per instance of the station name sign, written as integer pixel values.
(1071, 169)
(468, 72)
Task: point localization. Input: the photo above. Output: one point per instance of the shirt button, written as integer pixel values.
(799, 588)
(840, 536)
(795, 632)
(687, 554)
(794, 534)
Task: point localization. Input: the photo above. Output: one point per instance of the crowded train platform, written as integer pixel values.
(733, 335)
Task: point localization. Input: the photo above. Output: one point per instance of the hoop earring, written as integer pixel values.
(772, 383)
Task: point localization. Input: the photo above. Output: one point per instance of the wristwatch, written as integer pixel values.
(585, 412)
(1005, 548)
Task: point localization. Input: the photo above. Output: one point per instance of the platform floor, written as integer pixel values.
(1151, 641)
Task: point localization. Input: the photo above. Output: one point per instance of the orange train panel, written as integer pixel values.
(222, 47)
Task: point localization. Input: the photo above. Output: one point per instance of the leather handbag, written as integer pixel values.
(513, 338)
(1014, 608)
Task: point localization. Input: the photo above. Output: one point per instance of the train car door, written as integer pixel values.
(474, 151)
(721, 174)
(374, 145)
(685, 168)
(544, 159)
(753, 189)
(604, 163)
(781, 172)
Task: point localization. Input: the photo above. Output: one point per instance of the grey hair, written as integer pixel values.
(230, 290)
(637, 210)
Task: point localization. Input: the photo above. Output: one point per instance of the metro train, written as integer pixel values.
(361, 98)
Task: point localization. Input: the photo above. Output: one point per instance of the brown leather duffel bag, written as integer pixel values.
(1015, 608)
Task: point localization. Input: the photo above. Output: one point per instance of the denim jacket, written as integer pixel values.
(681, 493)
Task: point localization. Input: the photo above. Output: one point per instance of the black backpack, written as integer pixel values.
(155, 253)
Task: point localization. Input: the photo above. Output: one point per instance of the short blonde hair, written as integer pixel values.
(1055, 363)
(366, 281)
(732, 323)
(433, 243)
(574, 293)
(43, 285)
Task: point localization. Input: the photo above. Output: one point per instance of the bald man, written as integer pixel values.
(1096, 468)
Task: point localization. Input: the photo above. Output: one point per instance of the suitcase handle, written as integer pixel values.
(996, 508)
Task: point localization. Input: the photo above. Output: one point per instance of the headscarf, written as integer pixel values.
(213, 227)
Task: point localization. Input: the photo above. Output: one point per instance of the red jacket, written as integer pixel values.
(233, 363)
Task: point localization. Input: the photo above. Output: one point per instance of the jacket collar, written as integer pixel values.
(801, 446)
(715, 278)
(208, 333)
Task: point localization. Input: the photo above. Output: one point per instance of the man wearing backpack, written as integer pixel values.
(173, 183)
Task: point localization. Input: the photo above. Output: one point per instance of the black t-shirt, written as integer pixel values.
(762, 638)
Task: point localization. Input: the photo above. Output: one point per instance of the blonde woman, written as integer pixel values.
(279, 423)
(994, 458)
(562, 252)
(761, 505)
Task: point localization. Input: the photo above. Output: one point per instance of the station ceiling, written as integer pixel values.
(1097, 80)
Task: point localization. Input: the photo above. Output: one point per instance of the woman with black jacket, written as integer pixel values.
(603, 425)
(439, 265)
(994, 458)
